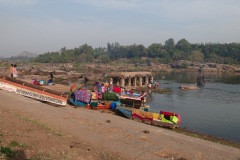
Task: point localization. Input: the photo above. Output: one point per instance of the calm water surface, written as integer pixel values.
(213, 109)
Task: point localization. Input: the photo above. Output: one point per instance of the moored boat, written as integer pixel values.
(130, 98)
(81, 97)
(188, 87)
(145, 115)
(32, 91)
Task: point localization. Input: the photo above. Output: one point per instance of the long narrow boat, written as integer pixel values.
(144, 115)
(32, 91)
(130, 98)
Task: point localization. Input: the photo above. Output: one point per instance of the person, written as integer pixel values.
(103, 88)
(149, 85)
(50, 81)
(201, 80)
(105, 78)
(14, 71)
(131, 91)
(11, 70)
(51, 75)
(34, 81)
(99, 88)
(200, 69)
(110, 84)
(85, 81)
(157, 83)
(142, 98)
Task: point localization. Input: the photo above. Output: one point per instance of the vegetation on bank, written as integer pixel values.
(166, 53)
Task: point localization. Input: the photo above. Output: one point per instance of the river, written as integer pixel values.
(213, 109)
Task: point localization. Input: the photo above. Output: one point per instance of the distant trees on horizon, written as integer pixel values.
(227, 53)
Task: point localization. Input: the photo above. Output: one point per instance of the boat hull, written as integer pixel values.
(32, 91)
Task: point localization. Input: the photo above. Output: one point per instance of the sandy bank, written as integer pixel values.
(115, 135)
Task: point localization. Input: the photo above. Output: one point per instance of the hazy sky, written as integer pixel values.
(41, 26)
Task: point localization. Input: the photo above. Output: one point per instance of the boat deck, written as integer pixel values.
(56, 87)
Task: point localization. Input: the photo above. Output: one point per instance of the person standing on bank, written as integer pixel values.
(51, 75)
(11, 70)
(14, 71)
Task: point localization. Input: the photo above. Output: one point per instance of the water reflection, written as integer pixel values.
(191, 77)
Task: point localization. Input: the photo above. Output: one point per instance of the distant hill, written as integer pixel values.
(24, 56)
(27, 54)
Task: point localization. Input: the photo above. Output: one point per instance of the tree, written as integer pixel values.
(170, 46)
(155, 50)
(196, 56)
(183, 45)
(105, 58)
(176, 56)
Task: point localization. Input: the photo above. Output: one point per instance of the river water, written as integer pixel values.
(213, 109)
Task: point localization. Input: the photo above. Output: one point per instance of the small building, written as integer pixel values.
(131, 79)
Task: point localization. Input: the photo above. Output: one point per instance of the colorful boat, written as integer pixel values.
(32, 91)
(130, 98)
(81, 97)
(92, 100)
(135, 100)
(144, 115)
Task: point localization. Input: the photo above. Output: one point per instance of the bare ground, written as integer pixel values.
(39, 131)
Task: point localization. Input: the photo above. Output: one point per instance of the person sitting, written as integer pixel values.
(41, 83)
(34, 81)
(50, 81)
(103, 88)
(131, 91)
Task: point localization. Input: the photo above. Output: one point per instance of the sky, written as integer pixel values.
(41, 26)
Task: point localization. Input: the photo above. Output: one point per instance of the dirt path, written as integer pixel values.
(41, 130)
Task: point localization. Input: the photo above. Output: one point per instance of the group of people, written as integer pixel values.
(42, 82)
(103, 87)
(13, 71)
(154, 84)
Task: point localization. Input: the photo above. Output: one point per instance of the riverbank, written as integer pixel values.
(33, 129)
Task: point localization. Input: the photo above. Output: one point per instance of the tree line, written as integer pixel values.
(227, 53)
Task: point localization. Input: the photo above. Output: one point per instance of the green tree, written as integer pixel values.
(170, 46)
(196, 56)
(155, 50)
(184, 47)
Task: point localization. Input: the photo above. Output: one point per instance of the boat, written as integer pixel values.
(81, 97)
(92, 100)
(145, 115)
(188, 87)
(130, 98)
(32, 91)
(135, 100)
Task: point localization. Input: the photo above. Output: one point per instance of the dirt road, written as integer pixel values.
(41, 130)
